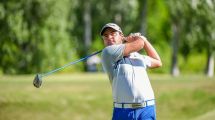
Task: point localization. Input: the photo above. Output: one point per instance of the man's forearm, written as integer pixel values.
(150, 50)
(133, 44)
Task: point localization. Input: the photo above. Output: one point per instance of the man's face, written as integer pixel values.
(112, 37)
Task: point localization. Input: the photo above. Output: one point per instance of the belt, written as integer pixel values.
(134, 105)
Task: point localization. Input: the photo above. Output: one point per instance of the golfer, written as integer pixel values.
(133, 96)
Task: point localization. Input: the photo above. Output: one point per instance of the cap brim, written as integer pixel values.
(110, 25)
(103, 30)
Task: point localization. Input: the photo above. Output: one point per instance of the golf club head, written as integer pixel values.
(37, 81)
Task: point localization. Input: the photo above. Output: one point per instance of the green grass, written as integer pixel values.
(88, 97)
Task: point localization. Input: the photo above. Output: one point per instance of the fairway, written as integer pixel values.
(88, 97)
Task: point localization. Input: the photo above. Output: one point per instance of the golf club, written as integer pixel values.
(38, 78)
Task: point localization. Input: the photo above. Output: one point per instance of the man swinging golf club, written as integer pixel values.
(133, 96)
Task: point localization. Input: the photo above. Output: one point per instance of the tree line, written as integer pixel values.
(39, 35)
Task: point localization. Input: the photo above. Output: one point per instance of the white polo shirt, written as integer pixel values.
(127, 75)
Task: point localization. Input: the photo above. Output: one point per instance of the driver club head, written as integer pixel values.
(37, 81)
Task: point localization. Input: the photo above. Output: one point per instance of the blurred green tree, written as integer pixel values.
(176, 11)
(37, 35)
(194, 27)
(202, 30)
(33, 35)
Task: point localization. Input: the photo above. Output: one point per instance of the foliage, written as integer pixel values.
(196, 22)
(33, 35)
(204, 26)
(37, 35)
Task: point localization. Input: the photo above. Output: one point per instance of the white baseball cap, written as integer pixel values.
(110, 25)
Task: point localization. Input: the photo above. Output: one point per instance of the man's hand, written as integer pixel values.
(136, 34)
(132, 37)
(133, 43)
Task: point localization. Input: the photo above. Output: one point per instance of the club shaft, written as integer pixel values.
(71, 63)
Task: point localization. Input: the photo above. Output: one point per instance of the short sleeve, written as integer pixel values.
(114, 52)
(110, 55)
(147, 61)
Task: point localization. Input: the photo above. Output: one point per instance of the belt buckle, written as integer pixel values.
(138, 105)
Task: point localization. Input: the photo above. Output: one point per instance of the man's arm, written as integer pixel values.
(152, 53)
(135, 43)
